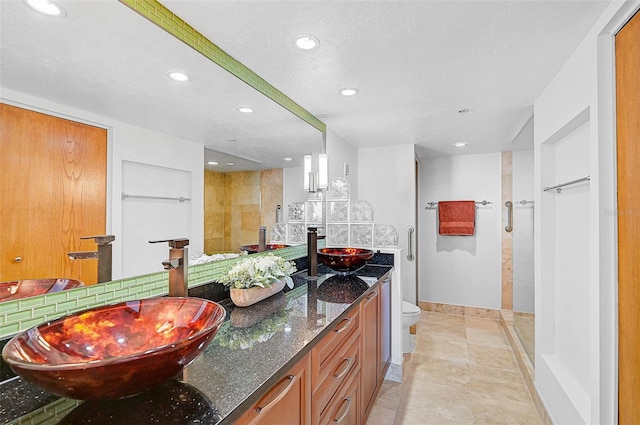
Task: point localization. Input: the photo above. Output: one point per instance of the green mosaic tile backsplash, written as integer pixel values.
(19, 315)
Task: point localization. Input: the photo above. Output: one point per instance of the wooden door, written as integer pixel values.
(628, 151)
(52, 192)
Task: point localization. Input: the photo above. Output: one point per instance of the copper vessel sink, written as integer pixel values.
(116, 350)
(344, 260)
(17, 289)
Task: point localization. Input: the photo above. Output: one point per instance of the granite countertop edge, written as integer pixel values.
(259, 392)
(373, 271)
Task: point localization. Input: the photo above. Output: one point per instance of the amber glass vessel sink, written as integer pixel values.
(252, 249)
(117, 350)
(17, 289)
(344, 260)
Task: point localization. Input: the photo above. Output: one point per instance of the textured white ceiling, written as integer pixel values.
(105, 58)
(416, 63)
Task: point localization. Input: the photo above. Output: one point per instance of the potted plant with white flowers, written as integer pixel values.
(256, 278)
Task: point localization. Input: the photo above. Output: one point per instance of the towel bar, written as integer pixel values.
(432, 205)
(559, 187)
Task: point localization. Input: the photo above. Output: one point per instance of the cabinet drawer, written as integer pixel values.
(321, 353)
(344, 408)
(287, 402)
(343, 364)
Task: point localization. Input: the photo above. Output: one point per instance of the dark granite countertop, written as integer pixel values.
(253, 349)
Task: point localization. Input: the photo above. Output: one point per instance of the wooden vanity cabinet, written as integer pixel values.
(287, 402)
(334, 363)
(344, 408)
(375, 312)
(337, 382)
(369, 343)
(384, 327)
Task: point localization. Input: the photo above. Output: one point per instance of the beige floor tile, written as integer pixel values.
(436, 401)
(498, 358)
(462, 372)
(427, 370)
(390, 395)
(451, 319)
(499, 384)
(440, 347)
(478, 323)
(488, 338)
(489, 410)
(429, 417)
(381, 416)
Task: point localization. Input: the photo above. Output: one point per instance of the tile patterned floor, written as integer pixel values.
(462, 372)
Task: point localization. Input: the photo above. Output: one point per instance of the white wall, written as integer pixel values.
(386, 178)
(130, 143)
(339, 152)
(575, 251)
(523, 276)
(292, 190)
(461, 270)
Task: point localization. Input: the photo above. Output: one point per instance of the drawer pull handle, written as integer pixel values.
(347, 322)
(346, 410)
(279, 397)
(347, 366)
(372, 295)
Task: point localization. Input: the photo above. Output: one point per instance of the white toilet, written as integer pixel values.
(410, 316)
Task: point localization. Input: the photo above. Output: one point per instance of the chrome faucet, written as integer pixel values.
(178, 266)
(104, 254)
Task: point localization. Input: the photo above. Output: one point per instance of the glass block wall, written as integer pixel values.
(348, 222)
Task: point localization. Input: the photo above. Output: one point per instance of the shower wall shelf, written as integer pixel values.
(559, 187)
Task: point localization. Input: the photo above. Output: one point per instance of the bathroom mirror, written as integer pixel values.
(105, 65)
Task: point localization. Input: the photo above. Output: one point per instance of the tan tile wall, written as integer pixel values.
(214, 199)
(507, 237)
(236, 205)
(271, 187)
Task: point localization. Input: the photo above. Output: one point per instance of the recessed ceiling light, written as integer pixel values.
(178, 76)
(47, 7)
(349, 91)
(306, 42)
(288, 158)
(231, 164)
(212, 163)
(459, 144)
(245, 109)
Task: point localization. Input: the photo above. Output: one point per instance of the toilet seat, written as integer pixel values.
(408, 308)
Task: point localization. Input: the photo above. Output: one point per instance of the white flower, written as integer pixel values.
(261, 271)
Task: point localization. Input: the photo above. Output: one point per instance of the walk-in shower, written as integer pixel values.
(523, 270)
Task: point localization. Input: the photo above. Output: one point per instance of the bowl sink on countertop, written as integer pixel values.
(116, 350)
(344, 260)
(17, 289)
(252, 249)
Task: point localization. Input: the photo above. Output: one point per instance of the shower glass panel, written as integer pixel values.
(523, 271)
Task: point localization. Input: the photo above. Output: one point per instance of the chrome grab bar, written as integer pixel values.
(509, 206)
(410, 231)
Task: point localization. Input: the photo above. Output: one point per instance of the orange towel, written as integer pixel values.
(457, 218)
